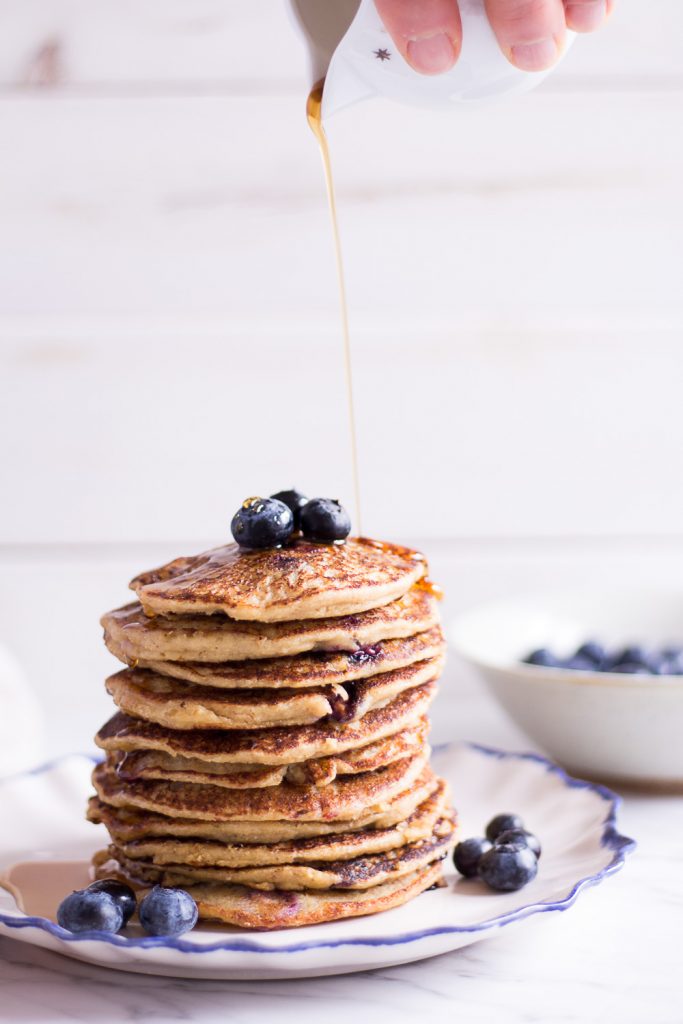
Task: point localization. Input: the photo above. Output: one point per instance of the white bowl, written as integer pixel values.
(625, 728)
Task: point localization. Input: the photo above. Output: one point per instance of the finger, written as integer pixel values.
(586, 15)
(427, 33)
(530, 32)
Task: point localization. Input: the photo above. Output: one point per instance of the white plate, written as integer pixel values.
(42, 812)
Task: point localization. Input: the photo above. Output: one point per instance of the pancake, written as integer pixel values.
(126, 824)
(357, 873)
(179, 705)
(302, 580)
(163, 852)
(130, 635)
(306, 669)
(268, 746)
(343, 799)
(155, 764)
(256, 909)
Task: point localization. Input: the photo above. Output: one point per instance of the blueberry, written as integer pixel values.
(508, 868)
(468, 853)
(324, 519)
(87, 911)
(121, 893)
(633, 655)
(672, 652)
(295, 501)
(630, 668)
(592, 651)
(519, 836)
(262, 523)
(671, 666)
(578, 663)
(542, 657)
(502, 823)
(167, 911)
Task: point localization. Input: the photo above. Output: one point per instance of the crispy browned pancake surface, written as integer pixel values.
(282, 745)
(131, 635)
(301, 580)
(318, 669)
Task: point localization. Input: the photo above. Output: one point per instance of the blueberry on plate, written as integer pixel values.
(521, 837)
(262, 523)
(121, 893)
(87, 911)
(592, 651)
(167, 911)
(468, 853)
(295, 501)
(508, 868)
(324, 519)
(502, 823)
(542, 657)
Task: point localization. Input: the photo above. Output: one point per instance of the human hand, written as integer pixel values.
(428, 33)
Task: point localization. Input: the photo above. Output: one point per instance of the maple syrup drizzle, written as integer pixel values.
(314, 117)
(430, 587)
(425, 584)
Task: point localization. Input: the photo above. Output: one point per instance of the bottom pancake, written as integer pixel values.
(263, 911)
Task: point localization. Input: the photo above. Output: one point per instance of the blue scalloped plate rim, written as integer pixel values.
(611, 839)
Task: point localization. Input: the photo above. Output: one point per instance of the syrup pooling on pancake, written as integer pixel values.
(271, 751)
(301, 580)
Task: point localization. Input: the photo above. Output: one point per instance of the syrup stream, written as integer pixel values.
(314, 116)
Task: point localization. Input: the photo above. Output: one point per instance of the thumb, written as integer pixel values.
(427, 33)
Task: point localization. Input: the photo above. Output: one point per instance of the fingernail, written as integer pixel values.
(585, 15)
(536, 56)
(431, 54)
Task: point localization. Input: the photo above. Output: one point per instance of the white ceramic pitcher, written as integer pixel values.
(350, 48)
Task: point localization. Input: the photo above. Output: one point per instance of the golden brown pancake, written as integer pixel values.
(302, 580)
(268, 746)
(179, 705)
(130, 635)
(126, 824)
(155, 764)
(357, 873)
(256, 909)
(343, 799)
(165, 851)
(306, 669)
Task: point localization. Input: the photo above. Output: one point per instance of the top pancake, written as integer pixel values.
(302, 580)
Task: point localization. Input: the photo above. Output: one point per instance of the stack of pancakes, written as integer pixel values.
(270, 750)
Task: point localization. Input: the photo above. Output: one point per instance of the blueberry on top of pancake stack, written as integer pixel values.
(269, 752)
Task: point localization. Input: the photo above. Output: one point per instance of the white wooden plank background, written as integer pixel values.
(169, 335)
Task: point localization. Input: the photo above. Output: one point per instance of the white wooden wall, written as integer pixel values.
(169, 331)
